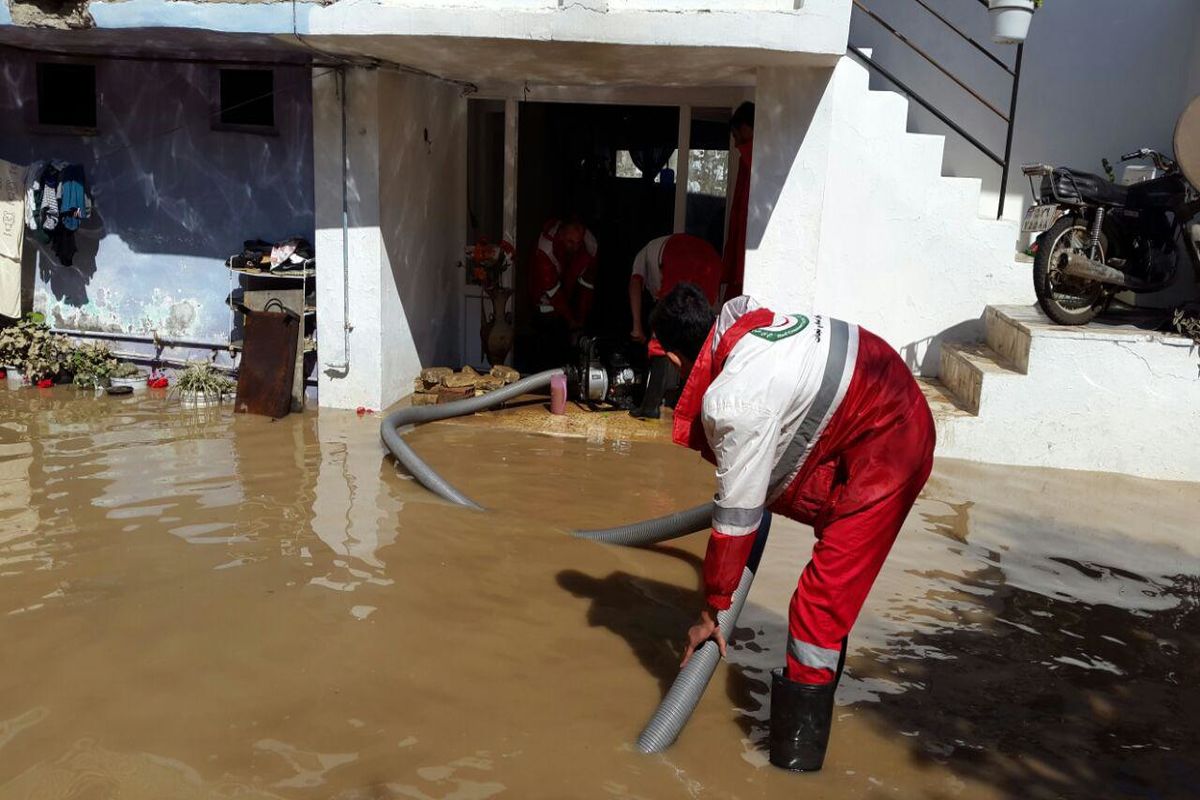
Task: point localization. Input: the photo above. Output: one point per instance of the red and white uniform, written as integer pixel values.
(562, 284)
(668, 261)
(818, 420)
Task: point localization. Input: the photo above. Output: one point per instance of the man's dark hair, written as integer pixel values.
(744, 115)
(682, 320)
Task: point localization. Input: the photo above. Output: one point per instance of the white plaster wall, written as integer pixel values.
(903, 250)
(423, 196)
(792, 139)
(850, 216)
(1128, 402)
(1100, 78)
(814, 28)
(349, 369)
(406, 193)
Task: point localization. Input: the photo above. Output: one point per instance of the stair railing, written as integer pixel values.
(1014, 73)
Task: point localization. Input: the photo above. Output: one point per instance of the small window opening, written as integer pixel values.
(66, 95)
(627, 169)
(248, 98)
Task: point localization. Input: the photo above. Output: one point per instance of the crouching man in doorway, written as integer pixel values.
(815, 419)
(658, 268)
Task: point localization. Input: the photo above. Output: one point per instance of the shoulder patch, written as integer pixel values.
(792, 324)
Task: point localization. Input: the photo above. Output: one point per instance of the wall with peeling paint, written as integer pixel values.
(173, 197)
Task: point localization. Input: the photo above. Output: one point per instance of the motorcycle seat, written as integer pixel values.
(1076, 187)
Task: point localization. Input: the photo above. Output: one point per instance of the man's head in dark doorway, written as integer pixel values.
(570, 236)
(741, 124)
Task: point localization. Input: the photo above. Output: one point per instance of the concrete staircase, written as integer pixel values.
(1110, 398)
(903, 247)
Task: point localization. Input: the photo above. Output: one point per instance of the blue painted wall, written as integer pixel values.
(173, 197)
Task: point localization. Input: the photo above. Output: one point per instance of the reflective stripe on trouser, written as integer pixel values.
(887, 471)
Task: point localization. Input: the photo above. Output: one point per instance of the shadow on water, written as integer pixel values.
(664, 612)
(1046, 695)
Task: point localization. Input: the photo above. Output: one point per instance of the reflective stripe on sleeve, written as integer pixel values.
(736, 521)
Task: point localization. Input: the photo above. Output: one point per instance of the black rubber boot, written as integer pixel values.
(656, 385)
(801, 716)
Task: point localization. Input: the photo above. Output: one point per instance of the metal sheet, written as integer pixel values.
(268, 364)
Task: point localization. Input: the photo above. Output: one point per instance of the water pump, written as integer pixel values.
(604, 373)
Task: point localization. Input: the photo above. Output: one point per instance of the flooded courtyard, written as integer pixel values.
(204, 605)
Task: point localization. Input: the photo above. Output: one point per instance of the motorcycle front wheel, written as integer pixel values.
(1067, 299)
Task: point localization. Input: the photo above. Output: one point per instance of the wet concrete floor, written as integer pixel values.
(203, 605)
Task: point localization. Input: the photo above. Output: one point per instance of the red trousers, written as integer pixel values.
(856, 489)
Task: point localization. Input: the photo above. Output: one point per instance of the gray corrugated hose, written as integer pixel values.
(652, 531)
(425, 475)
(677, 706)
(681, 699)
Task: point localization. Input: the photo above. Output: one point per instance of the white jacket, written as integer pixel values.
(762, 414)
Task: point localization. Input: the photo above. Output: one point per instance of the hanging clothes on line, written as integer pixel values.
(12, 236)
(57, 201)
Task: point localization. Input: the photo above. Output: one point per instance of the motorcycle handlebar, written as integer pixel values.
(1133, 155)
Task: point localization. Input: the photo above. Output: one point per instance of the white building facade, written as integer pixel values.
(862, 205)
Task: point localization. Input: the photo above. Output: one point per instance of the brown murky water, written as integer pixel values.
(200, 605)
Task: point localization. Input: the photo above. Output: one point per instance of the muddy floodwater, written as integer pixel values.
(203, 605)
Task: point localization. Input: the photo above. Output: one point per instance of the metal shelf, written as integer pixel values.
(238, 345)
(292, 274)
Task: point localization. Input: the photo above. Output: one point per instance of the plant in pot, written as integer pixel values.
(48, 356)
(131, 375)
(485, 263)
(1011, 18)
(92, 365)
(14, 347)
(199, 384)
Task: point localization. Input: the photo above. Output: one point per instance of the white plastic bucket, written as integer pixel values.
(137, 383)
(1010, 20)
(13, 378)
(198, 399)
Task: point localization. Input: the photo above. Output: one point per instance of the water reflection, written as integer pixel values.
(328, 630)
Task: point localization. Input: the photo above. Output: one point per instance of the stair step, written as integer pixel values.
(1008, 335)
(942, 403)
(888, 111)
(964, 368)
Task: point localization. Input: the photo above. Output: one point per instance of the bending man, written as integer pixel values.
(818, 420)
(658, 268)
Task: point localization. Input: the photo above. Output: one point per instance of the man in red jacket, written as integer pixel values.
(562, 281)
(658, 268)
(815, 419)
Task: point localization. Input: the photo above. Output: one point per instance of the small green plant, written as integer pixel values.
(15, 339)
(92, 365)
(1186, 321)
(48, 355)
(201, 378)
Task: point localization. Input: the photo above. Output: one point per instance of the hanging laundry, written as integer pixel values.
(33, 194)
(57, 201)
(73, 205)
(12, 236)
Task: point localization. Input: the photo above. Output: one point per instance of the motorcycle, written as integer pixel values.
(1096, 238)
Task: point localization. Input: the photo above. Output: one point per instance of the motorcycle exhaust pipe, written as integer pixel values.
(1080, 266)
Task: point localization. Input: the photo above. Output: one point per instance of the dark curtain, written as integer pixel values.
(651, 160)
